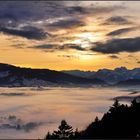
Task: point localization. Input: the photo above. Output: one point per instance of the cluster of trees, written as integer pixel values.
(120, 122)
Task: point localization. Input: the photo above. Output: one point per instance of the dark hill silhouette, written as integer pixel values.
(120, 122)
(18, 74)
(129, 82)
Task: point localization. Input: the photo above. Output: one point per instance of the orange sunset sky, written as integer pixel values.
(84, 35)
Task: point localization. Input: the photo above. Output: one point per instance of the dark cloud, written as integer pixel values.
(15, 13)
(54, 47)
(66, 23)
(119, 20)
(94, 9)
(118, 45)
(121, 31)
(28, 32)
(13, 94)
(72, 46)
(29, 11)
(45, 46)
(114, 57)
(76, 9)
(68, 56)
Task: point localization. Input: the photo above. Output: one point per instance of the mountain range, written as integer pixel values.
(17, 76)
(118, 76)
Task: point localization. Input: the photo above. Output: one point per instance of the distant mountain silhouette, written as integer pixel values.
(111, 77)
(16, 76)
(120, 122)
(84, 74)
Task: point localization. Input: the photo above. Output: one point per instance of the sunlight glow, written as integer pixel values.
(87, 35)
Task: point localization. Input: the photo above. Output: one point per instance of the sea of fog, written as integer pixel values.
(30, 112)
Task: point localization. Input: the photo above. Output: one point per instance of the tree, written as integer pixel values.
(96, 119)
(65, 131)
(116, 104)
(76, 134)
(134, 102)
(48, 136)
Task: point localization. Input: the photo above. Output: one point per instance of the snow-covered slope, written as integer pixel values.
(109, 76)
(16, 76)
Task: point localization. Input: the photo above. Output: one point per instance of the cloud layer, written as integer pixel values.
(117, 20)
(118, 45)
(28, 32)
(67, 23)
(12, 122)
(121, 31)
(54, 47)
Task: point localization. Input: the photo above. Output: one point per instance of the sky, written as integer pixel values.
(69, 35)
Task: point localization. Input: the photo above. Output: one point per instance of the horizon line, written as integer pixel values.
(15, 65)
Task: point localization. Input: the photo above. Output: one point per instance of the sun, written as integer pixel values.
(86, 39)
(77, 41)
(88, 36)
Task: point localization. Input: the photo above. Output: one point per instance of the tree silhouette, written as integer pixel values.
(134, 102)
(96, 119)
(120, 122)
(116, 104)
(48, 136)
(65, 131)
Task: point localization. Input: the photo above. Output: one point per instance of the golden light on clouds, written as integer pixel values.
(68, 38)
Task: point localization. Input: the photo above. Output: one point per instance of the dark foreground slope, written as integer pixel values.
(16, 76)
(120, 122)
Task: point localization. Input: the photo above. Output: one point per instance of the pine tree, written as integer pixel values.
(96, 119)
(134, 102)
(48, 136)
(116, 104)
(65, 131)
(76, 134)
